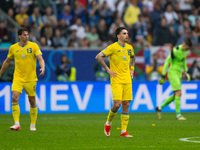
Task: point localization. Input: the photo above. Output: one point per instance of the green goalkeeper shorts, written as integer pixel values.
(175, 81)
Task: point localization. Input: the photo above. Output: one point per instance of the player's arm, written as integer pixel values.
(132, 63)
(42, 64)
(164, 71)
(186, 71)
(101, 61)
(5, 65)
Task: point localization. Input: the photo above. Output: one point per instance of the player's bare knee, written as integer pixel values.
(32, 101)
(15, 99)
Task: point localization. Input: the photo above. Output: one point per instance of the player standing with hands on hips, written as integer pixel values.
(122, 61)
(177, 61)
(24, 53)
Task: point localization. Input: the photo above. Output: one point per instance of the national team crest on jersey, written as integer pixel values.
(23, 56)
(124, 57)
(123, 51)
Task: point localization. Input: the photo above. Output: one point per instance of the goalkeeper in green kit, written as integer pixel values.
(177, 61)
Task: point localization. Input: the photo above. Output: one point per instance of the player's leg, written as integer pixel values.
(15, 110)
(17, 88)
(117, 97)
(175, 84)
(33, 112)
(127, 97)
(113, 111)
(177, 104)
(30, 89)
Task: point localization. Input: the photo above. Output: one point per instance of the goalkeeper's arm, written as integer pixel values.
(186, 71)
(164, 71)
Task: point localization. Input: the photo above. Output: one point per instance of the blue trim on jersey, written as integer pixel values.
(103, 53)
(24, 45)
(113, 111)
(121, 45)
(33, 106)
(15, 104)
(125, 113)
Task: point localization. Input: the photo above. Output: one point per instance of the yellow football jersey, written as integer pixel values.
(25, 61)
(119, 57)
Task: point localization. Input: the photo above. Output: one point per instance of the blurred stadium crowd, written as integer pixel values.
(91, 23)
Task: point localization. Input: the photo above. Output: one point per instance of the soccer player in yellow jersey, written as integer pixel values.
(24, 53)
(121, 71)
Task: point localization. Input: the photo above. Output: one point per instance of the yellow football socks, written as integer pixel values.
(33, 114)
(111, 115)
(15, 112)
(124, 121)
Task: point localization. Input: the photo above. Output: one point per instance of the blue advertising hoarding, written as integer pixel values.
(96, 97)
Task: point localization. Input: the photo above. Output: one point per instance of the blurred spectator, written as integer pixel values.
(93, 12)
(111, 4)
(21, 16)
(185, 5)
(47, 32)
(26, 24)
(66, 15)
(105, 13)
(80, 31)
(170, 15)
(131, 14)
(197, 29)
(21, 3)
(58, 40)
(63, 27)
(35, 31)
(6, 4)
(73, 40)
(43, 42)
(102, 31)
(11, 27)
(3, 32)
(122, 6)
(154, 71)
(37, 18)
(84, 43)
(100, 73)
(196, 3)
(187, 35)
(42, 5)
(93, 38)
(156, 16)
(117, 23)
(64, 71)
(141, 29)
(194, 71)
(162, 36)
(173, 36)
(149, 5)
(49, 17)
(194, 16)
(80, 11)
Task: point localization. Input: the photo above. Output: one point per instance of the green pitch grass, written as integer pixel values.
(85, 131)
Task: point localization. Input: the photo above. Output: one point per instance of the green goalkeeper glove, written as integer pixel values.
(162, 80)
(188, 77)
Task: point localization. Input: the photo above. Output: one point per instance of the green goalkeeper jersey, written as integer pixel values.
(177, 61)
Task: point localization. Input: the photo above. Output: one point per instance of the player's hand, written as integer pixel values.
(188, 77)
(111, 73)
(162, 80)
(42, 71)
(132, 73)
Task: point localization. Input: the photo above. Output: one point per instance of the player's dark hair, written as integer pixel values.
(20, 31)
(118, 30)
(188, 42)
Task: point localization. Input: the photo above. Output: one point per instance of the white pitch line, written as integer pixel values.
(189, 139)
